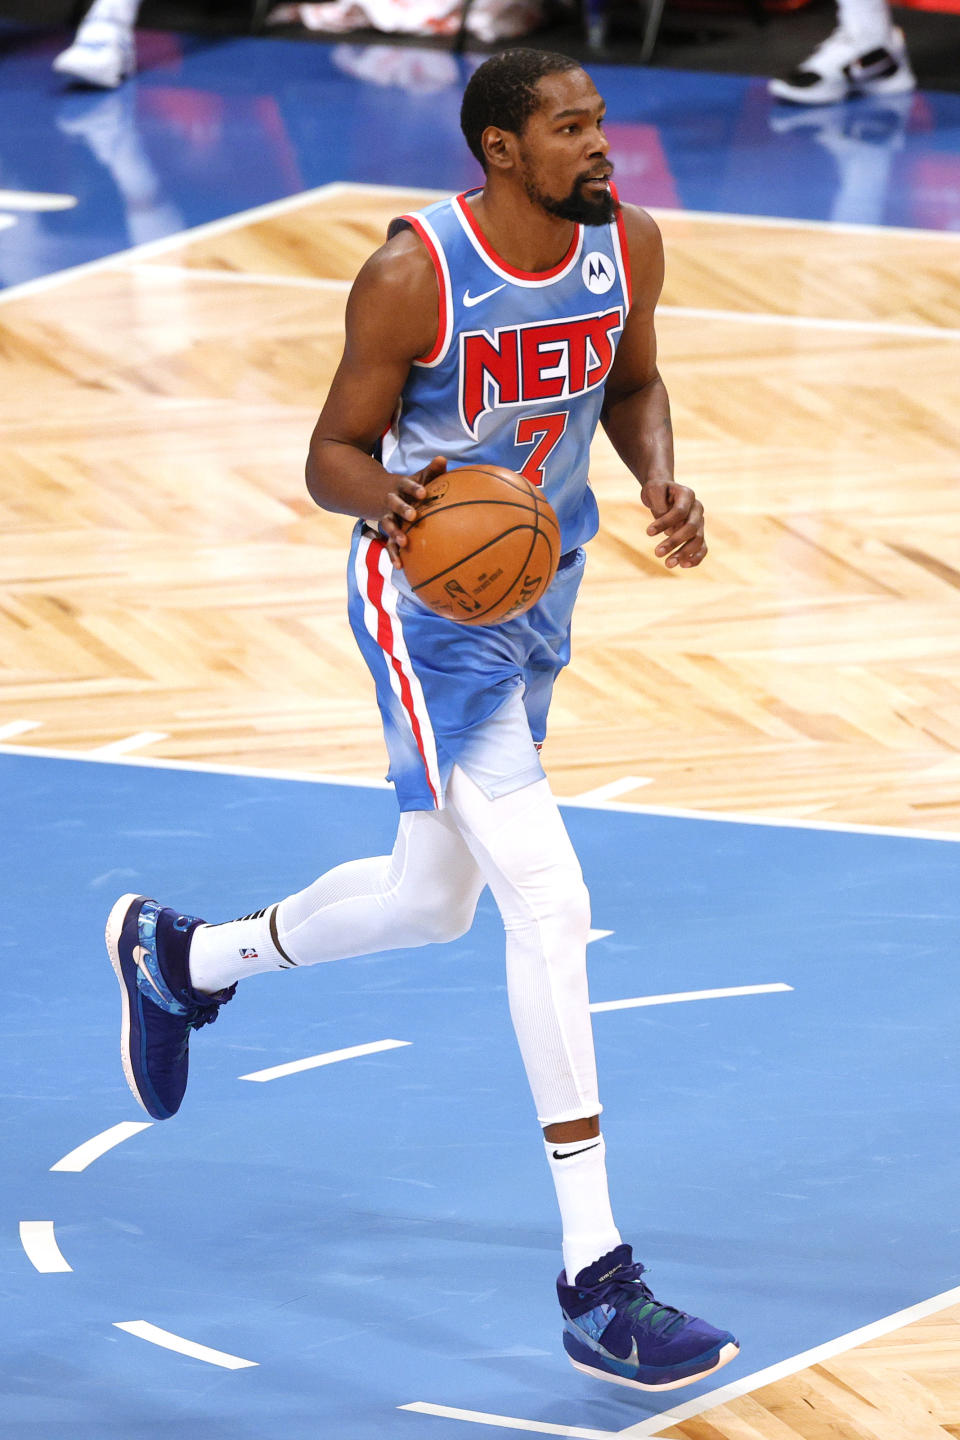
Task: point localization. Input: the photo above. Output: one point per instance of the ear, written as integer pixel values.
(499, 148)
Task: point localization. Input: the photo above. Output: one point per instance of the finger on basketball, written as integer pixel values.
(402, 508)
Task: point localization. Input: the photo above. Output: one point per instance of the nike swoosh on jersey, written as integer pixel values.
(470, 300)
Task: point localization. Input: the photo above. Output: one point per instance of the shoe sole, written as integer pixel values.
(89, 75)
(112, 937)
(728, 1352)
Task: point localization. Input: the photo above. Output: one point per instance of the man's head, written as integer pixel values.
(537, 117)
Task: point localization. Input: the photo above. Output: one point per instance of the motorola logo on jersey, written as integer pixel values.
(521, 364)
(598, 272)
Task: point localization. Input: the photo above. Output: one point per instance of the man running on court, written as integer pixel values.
(499, 326)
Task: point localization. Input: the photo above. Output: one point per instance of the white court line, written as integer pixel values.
(210, 228)
(242, 277)
(649, 1429)
(17, 727)
(313, 1062)
(40, 1243)
(35, 200)
(681, 995)
(683, 312)
(6, 221)
(506, 1422)
(719, 817)
(613, 788)
(198, 767)
(258, 213)
(816, 1356)
(812, 322)
(129, 742)
(85, 1154)
(784, 222)
(145, 1331)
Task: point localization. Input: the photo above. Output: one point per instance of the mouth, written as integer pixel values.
(598, 182)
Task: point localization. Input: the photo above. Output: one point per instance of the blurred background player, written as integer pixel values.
(865, 55)
(103, 53)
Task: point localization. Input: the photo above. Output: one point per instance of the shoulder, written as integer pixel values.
(645, 246)
(401, 267)
(642, 232)
(396, 294)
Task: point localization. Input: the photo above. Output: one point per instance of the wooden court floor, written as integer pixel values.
(168, 587)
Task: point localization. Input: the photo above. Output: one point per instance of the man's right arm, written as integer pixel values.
(392, 318)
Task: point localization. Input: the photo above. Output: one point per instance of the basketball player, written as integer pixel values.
(499, 326)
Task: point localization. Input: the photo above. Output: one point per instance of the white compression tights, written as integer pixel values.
(428, 890)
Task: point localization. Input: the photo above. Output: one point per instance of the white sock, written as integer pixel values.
(118, 12)
(579, 1170)
(221, 954)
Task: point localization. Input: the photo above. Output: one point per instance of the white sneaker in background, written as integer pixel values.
(102, 54)
(842, 67)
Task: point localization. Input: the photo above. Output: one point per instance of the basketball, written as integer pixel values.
(484, 546)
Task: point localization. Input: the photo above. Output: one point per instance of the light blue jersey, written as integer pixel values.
(514, 378)
(516, 374)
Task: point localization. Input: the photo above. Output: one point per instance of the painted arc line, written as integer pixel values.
(313, 1062)
(17, 727)
(597, 935)
(35, 200)
(650, 1429)
(145, 1331)
(360, 782)
(730, 991)
(83, 1155)
(129, 742)
(613, 788)
(506, 1422)
(243, 277)
(40, 1243)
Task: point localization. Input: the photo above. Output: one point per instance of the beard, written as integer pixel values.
(579, 205)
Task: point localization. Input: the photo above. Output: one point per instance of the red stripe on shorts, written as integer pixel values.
(375, 550)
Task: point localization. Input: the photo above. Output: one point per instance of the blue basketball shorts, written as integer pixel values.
(468, 695)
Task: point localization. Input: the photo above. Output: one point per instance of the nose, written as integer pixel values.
(597, 141)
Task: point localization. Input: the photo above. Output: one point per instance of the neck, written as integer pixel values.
(521, 231)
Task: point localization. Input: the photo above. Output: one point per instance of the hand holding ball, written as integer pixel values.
(484, 547)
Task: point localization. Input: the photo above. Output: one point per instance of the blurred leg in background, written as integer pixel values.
(865, 55)
(103, 52)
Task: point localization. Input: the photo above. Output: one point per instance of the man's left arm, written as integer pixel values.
(636, 409)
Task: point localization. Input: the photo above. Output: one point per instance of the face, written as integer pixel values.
(562, 151)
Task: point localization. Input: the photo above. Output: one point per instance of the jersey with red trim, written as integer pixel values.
(516, 374)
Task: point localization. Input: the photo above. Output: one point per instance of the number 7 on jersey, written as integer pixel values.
(544, 433)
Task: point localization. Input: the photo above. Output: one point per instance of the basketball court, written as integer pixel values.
(759, 764)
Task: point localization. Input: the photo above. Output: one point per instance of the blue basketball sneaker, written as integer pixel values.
(615, 1329)
(148, 947)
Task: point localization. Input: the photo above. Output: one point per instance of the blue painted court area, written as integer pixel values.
(208, 129)
(382, 1230)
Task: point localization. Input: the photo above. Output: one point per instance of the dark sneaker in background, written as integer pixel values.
(843, 67)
